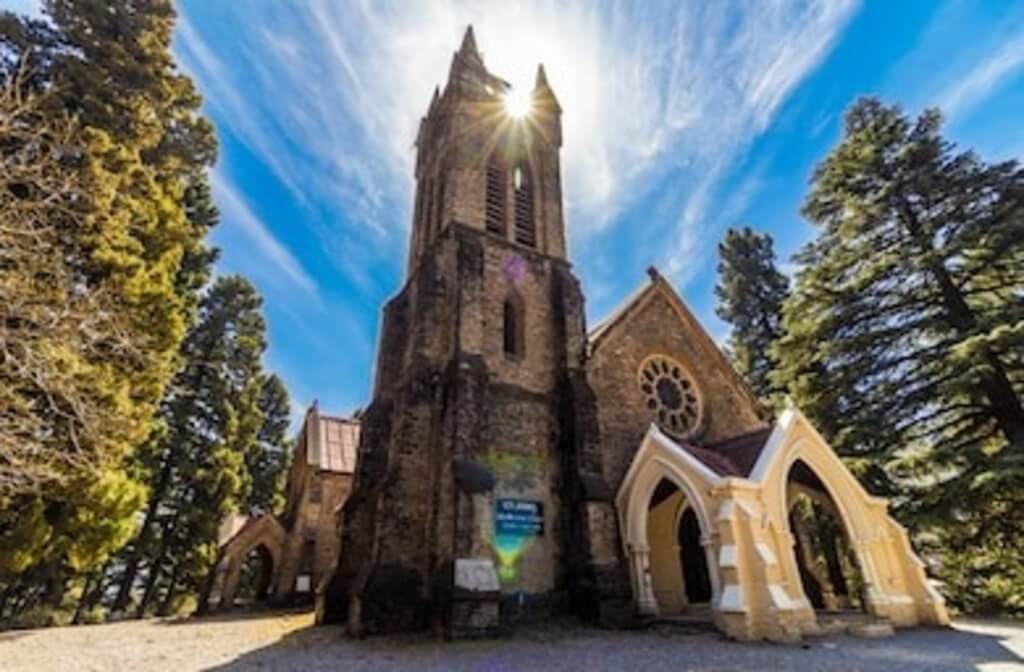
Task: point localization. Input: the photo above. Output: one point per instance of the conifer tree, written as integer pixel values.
(750, 292)
(905, 331)
(105, 212)
(225, 421)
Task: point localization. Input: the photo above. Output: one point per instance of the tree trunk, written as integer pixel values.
(86, 590)
(995, 384)
(172, 587)
(131, 570)
(147, 595)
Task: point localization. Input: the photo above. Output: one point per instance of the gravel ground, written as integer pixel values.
(278, 641)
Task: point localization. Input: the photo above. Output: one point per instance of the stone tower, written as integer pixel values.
(479, 480)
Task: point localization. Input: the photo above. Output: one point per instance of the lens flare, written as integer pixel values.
(518, 103)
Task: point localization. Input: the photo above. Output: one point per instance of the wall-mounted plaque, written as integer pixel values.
(519, 517)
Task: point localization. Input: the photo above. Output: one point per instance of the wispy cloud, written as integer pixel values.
(984, 78)
(334, 93)
(236, 212)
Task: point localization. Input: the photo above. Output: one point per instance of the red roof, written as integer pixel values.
(735, 456)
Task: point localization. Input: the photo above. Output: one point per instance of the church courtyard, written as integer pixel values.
(288, 641)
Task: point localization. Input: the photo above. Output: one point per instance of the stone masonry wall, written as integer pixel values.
(612, 371)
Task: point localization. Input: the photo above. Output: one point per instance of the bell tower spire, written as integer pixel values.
(486, 165)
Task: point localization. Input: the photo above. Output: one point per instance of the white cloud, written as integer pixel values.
(236, 211)
(329, 96)
(984, 78)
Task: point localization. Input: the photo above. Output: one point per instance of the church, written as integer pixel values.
(513, 464)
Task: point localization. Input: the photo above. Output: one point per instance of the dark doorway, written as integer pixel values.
(254, 577)
(693, 559)
(825, 559)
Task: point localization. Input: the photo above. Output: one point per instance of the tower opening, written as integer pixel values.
(526, 233)
(494, 199)
(512, 327)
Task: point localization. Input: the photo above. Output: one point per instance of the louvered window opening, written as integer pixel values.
(525, 231)
(494, 201)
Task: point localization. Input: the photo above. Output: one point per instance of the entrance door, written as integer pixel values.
(694, 561)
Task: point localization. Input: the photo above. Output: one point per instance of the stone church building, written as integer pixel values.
(512, 463)
(291, 554)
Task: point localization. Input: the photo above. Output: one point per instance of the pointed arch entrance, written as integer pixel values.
(667, 534)
(678, 563)
(254, 576)
(826, 559)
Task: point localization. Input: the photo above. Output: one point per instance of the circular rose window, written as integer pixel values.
(670, 395)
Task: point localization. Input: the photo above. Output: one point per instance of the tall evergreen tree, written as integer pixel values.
(905, 333)
(114, 120)
(750, 292)
(221, 452)
(267, 463)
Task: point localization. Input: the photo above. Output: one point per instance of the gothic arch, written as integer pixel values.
(659, 459)
(895, 585)
(524, 204)
(263, 531)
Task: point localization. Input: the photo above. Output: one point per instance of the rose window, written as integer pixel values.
(670, 395)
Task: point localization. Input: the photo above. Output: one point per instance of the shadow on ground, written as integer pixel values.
(236, 614)
(577, 647)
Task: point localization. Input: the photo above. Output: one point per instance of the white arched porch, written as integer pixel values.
(658, 460)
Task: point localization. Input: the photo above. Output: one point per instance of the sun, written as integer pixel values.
(518, 102)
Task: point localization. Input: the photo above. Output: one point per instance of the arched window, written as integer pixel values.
(512, 327)
(523, 186)
(494, 198)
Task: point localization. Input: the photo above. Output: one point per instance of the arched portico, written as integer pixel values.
(264, 535)
(894, 583)
(838, 489)
(828, 564)
(660, 461)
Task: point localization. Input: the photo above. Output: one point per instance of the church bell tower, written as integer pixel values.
(485, 165)
(478, 478)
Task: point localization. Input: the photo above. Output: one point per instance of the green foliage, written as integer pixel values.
(105, 208)
(750, 292)
(223, 448)
(904, 333)
(268, 461)
(99, 225)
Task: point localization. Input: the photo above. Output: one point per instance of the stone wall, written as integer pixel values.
(654, 325)
(447, 391)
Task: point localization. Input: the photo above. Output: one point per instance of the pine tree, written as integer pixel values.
(750, 292)
(905, 331)
(105, 212)
(225, 420)
(267, 463)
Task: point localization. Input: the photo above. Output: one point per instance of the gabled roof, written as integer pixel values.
(742, 451)
(659, 286)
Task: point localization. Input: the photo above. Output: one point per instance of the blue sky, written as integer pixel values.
(681, 120)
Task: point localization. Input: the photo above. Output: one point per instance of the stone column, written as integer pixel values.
(640, 558)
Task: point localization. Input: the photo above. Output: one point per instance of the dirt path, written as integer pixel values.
(281, 641)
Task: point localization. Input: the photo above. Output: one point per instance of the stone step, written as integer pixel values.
(855, 623)
(871, 630)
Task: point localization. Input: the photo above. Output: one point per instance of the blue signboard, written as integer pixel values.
(518, 517)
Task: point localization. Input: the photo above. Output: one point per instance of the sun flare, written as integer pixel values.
(518, 102)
